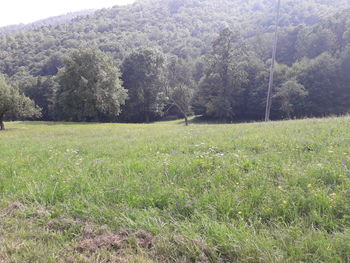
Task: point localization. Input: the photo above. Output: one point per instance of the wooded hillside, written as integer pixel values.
(313, 52)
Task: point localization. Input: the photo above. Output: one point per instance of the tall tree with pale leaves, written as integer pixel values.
(90, 88)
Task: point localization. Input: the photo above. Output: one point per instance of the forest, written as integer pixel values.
(159, 59)
(97, 166)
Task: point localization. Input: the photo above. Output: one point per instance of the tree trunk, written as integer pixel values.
(2, 125)
(186, 120)
(289, 115)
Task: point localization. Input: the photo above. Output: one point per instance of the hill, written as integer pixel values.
(184, 28)
(274, 192)
(313, 52)
(44, 22)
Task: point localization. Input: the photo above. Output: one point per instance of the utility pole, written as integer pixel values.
(272, 69)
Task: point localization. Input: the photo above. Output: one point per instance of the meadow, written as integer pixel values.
(163, 192)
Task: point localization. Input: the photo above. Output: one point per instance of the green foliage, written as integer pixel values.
(179, 87)
(290, 93)
(224, 77)
(183, 28)
(40, 89)
(45, 22)
(325, 83)
(14, 104)
(90, 88)
(32, 56)
(142, 75)
(261, 192)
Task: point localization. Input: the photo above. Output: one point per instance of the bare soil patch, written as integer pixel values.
(116, 241)
(11, 208)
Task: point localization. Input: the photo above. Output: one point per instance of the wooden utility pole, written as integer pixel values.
(272, 69)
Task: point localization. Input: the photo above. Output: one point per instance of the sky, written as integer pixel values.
(26, 11)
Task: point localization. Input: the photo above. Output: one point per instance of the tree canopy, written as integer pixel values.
(142, 77)
(228, 85)
(15, 105)
(224, 77)
(90, 88)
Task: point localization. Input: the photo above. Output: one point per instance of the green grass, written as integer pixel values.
(275, 192)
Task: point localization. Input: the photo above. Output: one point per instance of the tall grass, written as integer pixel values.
(261, 192)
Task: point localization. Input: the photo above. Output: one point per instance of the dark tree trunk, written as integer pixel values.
(186, 120)
(2, 125)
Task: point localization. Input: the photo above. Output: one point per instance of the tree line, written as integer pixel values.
(178, 74)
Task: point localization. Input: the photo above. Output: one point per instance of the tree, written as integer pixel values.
(52, 65)
(251, 101)
(224, 77)
(175, 5)
(14, 104)
(344, 78)
(290, 93)
(90, 88)
(43, 93)
(179, 85)
(142, 73)
(40, 89)
(312, 44)
(320, 77)
(187, 28)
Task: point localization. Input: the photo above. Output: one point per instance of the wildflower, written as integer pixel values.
(280, 187)
(309, 185)
(285, 202)
(239, 212)
(332, 195)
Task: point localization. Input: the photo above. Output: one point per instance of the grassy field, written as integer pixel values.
(275, 192)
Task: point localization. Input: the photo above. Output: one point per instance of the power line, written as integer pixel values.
(272, 69)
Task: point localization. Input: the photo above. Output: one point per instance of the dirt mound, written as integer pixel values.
(62, 224)
(117, 241)
(11, 207)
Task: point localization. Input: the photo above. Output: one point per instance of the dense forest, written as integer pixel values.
(159, 58)
(55, 20)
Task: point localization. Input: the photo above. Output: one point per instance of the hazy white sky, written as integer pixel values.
(26, 11)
